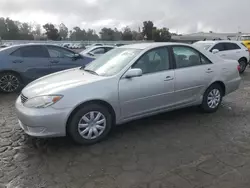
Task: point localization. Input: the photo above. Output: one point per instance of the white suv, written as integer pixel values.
(228, 50)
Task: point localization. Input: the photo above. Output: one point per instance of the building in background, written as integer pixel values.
(194, 37)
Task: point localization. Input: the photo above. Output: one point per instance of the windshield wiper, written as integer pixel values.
(93, 72)
(82, 67)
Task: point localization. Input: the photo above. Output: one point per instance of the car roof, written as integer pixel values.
(110, 46)
(143, 46)
(33, 44)
(217, 41)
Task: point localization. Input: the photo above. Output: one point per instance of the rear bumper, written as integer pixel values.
(232, 85)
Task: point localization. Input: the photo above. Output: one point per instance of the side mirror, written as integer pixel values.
(77, 56)
(133, 73)
(215, 51)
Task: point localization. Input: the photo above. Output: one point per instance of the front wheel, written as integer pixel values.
(90, 124)
(9, 82)
(212, 98)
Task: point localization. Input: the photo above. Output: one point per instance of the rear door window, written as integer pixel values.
(186, 57)
(219, 46)
(57, 52)
(31, 52)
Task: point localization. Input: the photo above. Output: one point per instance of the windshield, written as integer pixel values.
(204, 46)
(245, 37)
(87, 50)
(113, 61)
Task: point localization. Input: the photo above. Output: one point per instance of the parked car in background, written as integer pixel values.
(97, 51)
(3, 46)
(95, 44)
(228, 50)
(79, 46)
(245, 40)
(125, 84)
(66, 45)
(119, 44)
(20, 64)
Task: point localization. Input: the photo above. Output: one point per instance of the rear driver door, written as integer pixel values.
(31, 61)
(193, 74)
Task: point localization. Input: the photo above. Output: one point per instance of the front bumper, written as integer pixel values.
(44, 122)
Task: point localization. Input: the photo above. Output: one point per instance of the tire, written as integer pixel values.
(215, 93)
(243, 65)
(103, 127)
(10, 82)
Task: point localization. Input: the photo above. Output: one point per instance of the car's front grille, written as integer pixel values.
(23, 98)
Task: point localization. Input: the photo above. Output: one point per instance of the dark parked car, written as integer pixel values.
(21, 64)
(118, 45)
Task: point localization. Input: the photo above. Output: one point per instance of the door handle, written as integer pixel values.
(168, 78)
(209, 70)
(17, 61)
(223, 55)
(54, 61)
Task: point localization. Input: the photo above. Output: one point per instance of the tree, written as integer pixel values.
(25, 28)
(117, 35)
(127, 34)
(78, 34)
(148, 29)
(91, 35)
(3, 27)
(25, 32)
(137, 35)
(107, 34)
(12, 30)
(38, 29)
(161, 35)
(63, 31)
(51, 32)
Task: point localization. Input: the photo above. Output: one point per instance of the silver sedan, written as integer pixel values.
(127, 83)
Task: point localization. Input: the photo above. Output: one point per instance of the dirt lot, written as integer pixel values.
(181, 149)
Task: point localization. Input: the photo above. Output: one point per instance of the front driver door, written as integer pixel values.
(152, 91)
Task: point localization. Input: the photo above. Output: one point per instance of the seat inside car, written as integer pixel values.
(194, 60)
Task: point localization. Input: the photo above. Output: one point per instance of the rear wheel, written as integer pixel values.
(212, 98)
(9, 82)
(90, 124)
(243, 65)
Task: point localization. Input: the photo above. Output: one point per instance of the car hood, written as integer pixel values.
(58, 82)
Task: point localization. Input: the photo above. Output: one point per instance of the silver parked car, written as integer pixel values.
(96, 51)
(127, 83)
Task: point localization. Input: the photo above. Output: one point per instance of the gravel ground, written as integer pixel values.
(180, 149)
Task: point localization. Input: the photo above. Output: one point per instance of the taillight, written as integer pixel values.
(238, 67)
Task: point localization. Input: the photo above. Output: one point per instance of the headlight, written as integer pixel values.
(42, 101)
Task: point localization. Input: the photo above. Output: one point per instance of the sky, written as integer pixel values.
(182, 16)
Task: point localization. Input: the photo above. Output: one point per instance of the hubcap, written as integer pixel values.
(92, 125)
(214, 98)
(9, 83)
